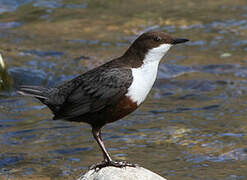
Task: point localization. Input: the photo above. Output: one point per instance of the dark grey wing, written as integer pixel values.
(97, 89)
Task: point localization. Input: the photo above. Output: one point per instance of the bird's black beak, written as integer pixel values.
(178, 41)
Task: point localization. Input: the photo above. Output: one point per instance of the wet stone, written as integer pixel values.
(126, 173)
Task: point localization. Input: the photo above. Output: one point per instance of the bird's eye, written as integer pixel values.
(157, 38)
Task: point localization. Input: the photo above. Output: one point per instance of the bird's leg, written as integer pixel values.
(97, 136)
(100, 137)
(107, 159)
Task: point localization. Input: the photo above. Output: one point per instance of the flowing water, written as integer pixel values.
(193, 124)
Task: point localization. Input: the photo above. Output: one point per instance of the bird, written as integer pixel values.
(108, 92)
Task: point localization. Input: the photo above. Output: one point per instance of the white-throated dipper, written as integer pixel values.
(109, 92)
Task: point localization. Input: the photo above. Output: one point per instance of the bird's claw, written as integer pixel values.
(119, 164)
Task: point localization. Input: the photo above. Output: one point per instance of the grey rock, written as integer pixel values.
(126, 173)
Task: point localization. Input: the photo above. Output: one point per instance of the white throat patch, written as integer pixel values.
(144, 76)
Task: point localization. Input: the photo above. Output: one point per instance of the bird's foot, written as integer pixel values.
(119, 164)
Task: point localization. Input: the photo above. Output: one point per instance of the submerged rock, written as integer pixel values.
(126, 173)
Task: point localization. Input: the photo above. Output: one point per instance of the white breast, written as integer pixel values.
(144, 76)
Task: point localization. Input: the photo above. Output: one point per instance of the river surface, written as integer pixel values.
(193, 124)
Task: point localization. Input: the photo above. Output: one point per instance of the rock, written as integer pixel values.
(126, 173)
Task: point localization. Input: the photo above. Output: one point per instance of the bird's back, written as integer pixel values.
(86, 94)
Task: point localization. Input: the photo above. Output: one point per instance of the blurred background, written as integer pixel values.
(193, 124)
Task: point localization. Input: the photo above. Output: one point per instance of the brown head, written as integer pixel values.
(154, 39)
(158, 43)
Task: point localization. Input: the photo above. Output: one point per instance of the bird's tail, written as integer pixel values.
(39, 92)
(45, 95)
